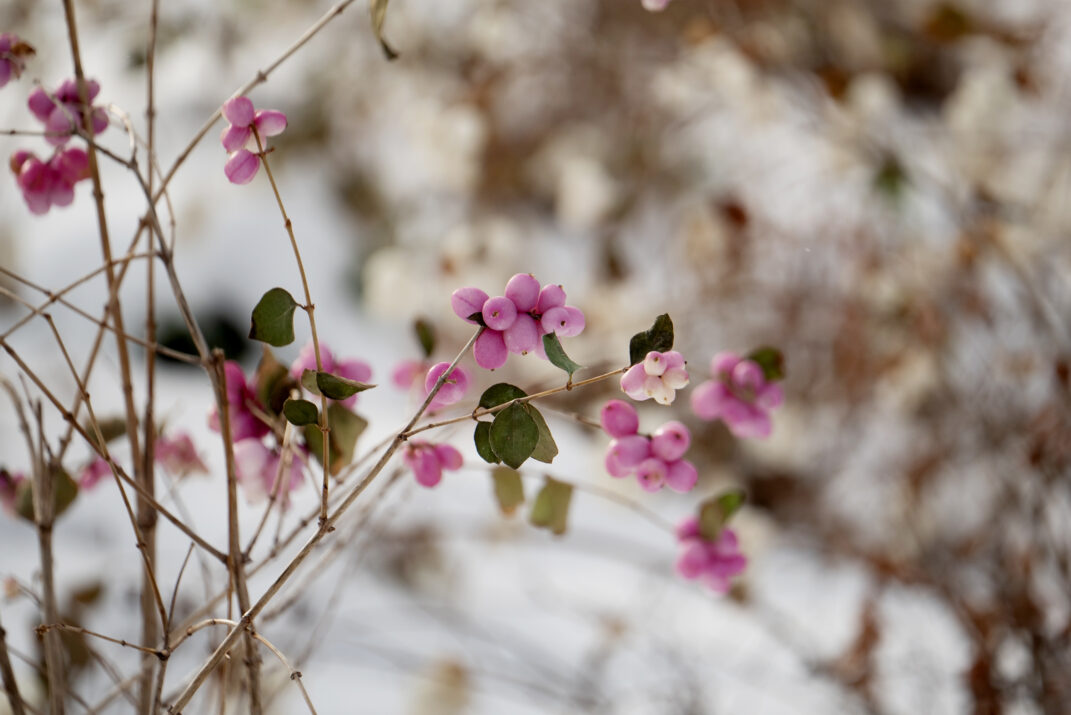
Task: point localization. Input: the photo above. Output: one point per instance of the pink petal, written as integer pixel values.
(241, 167)
(709, 399)
(270, 122)
(770, 397)
(238, 111)
(722, 364)
(632, 382)
(40, 104)
(234, 138)
(449, 457)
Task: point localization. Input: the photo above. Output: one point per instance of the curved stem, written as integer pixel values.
(310, 309)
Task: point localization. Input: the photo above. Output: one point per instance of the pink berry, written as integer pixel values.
(566, 321)
(619, 418)
(681, 476)
(490, 350)
(670, 441)
(449, 457)
(453, 388)
(499, 313)
(629, 451)
(651, 474)
(238, 111)
(523, 336)
(467, 301)
(523, 290)
(551, 296)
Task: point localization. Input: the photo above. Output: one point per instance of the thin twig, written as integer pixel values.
(324, 529)
(11, 686)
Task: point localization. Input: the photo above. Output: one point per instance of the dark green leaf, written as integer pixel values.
(509, 489)
(300, 412)
(514, 435)
(64, 491)
(556, 355)
(482, 437)
(771, 360)
(378, 8)
(272, 382)
(111, 428)
(715, 513)
(546, 450)
(339, 388)
(500, 394)
(425, 333)
(658, 338)
(346, 427)
(551, 507)
(273, 318)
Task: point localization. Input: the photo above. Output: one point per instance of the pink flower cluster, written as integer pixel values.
(659, 376)
(61, 111)
(714, 563)
(739, 395)
(256, 466)
(353, 369)
(45, 184)
(239, 138)
(428, 461)
(657, 460)
(12, 57)
(517, 321)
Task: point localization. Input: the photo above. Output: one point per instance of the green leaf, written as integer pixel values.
(64, 492)
(551, 507)
(272, 382)
(378, 9)
(715, 513)
(771, 360)
(300, 412)
(500, 394)
(546, 450)
(556, 355)
(346, 427)
(308, 381)
(273, 318)
(482, 437)
(658, 338)
(514, 435)
(509, 489)
(339, 388)
(111, 428)
(425, 333)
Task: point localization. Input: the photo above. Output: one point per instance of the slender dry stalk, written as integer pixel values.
(11, 686)
(235, 561)
(43, 516)
(310, 310)
(325, 528)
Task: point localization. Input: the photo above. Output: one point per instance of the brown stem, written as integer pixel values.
(310, 309)
(11, 686)
(43, 516)
(235, 562)
(325, 528)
